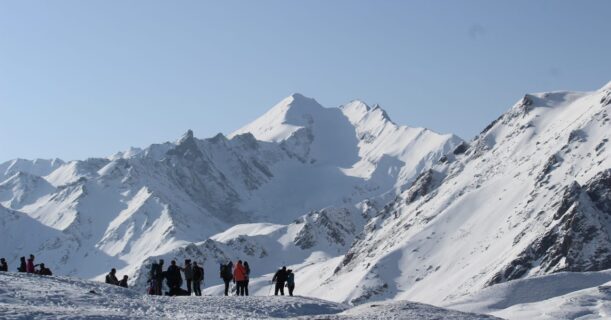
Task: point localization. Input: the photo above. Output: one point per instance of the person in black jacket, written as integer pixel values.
(198, 277)
(247, 268)
(173, 276)
(111, 278)
(123, 282)
(22, 265)
(3, 265)
(280, 279)
(157, 276)
(188, 271)
(44, 271)
(227, 275)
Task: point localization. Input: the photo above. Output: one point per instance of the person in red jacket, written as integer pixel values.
(240, 277)
(29, 267)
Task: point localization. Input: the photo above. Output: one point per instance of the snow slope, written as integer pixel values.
(26, 296)
(38, 167)
(558, 296)
(529, 196)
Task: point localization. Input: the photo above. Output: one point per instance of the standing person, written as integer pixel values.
(198, 277)
(188, 270)
(123, 282)
(111, 278)
(152, 279)
(174, 278)
(29, 267)
(226, 275)
(22, 265)
(158, 276)
(247, 268)
(239, 276)
(279, 279)
(3, 265)
(290, 281)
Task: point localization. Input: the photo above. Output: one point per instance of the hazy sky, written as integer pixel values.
(88, 78)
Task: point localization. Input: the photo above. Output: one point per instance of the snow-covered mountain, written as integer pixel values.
(287, 166)
(531, 195)
(362, 208)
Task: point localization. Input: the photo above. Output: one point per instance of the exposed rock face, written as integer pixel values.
(579, 237)
(421, 187)
(330, 226)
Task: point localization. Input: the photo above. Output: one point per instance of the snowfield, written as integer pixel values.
(24, 296)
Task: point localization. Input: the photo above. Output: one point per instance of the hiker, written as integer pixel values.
(198, 277)
(44, 271)
(239, 277)
(279, 279)
(226, 275)
(111, 278)
(174, 279)
(247, 268)
(157, 276)
(22, 267)
(29, 267)
(123, 282)
(290, 281)
(188, 270)
(3, 265)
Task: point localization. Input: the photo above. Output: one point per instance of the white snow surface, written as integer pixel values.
(26, 296)
(566, 295)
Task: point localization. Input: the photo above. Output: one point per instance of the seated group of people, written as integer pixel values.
(111, 278)
(27, 266)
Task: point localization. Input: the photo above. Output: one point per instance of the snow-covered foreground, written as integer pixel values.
(24, 296)
(566, 295)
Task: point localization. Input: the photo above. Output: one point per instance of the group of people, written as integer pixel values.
(239, 274)
(284, 278)
(194, 275)
(27, 266)
(111, 278)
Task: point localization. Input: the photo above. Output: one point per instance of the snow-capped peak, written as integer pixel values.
(283, 119)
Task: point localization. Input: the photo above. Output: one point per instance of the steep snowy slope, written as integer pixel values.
(22, 189)
(155, 201)
(531, 195)
(391, 152)
(38, 167)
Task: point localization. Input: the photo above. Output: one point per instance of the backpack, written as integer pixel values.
(226, 272)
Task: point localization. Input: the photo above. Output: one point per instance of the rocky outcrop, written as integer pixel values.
(579, 236)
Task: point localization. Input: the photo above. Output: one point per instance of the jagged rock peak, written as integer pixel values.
(186, 136)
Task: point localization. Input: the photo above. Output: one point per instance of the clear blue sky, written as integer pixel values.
(87, 78)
